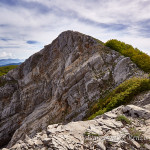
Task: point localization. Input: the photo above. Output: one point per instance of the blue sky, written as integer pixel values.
(27, 25)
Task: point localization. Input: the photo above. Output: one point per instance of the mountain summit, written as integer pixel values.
(59, 84)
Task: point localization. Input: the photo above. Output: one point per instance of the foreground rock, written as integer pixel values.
(102, 133)
(58, 84)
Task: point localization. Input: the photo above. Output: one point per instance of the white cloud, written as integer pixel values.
(46, 19)
(4, 55)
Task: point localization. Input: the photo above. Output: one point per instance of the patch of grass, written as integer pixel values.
(122, 95)
(5, 69)
(138, 136)
(123, 119)
(90, 134)
(135, 133)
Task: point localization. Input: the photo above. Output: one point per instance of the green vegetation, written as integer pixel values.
(5, 69)
(123, 119)
(141, 59)
(135, 133)
(138, 136)
(123, 94)
(90, 134)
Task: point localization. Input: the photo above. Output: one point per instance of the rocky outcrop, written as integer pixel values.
(58, 84)
(142, 100)
(104, 132)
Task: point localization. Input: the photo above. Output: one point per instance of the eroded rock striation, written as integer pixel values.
(58, 84)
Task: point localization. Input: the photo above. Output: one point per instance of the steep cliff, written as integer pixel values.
(59, 84)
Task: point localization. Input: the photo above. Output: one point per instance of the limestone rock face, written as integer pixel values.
(142, 100)
(136, 111)
(58, 84)
(102, 133)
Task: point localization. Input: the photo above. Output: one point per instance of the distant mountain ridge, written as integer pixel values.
(7, 62)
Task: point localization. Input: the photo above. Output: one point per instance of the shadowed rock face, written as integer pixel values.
(58, 84)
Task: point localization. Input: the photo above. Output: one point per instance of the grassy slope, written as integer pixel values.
(126, 91)
(5, 69)
(123, 94)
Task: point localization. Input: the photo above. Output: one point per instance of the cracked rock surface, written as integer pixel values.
(102, 133)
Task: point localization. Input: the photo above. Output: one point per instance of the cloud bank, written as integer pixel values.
(27, 25)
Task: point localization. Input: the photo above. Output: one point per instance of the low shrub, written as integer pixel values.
(123, 119)
(122, 95)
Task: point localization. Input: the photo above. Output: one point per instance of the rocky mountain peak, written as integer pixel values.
(59, 84)
(66, 43)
